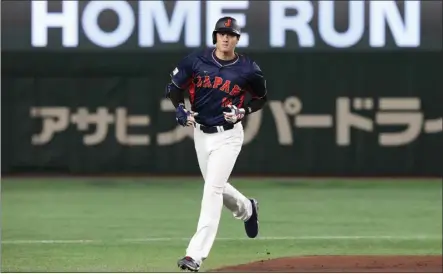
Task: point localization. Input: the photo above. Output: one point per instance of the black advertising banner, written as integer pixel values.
(142, 26)
(354, 86)
(328, 114)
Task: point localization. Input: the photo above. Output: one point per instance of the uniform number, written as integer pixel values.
(226, 102)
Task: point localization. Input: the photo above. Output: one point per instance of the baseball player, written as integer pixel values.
(217, 80)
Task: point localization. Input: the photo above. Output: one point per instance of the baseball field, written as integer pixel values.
(144, 225)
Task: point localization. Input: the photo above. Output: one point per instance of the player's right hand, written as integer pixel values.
(185, 117)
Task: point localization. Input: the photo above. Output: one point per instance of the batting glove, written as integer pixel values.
(184, 117)
(235, 114)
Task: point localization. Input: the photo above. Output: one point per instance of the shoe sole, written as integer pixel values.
(185, 267)
(255, 205)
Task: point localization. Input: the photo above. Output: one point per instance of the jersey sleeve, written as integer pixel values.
(257, 82)
(181, 76)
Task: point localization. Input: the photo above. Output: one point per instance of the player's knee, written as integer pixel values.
(216, 189)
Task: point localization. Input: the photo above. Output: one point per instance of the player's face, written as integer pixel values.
(226, 42)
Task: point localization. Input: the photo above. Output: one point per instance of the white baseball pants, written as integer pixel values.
(217, 154)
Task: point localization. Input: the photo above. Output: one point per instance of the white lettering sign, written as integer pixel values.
(299, 24)
(356, 24)
(406, 32)
(108, 39)
(42, 20)
(382, 15)
(153, 17)
(184, 26)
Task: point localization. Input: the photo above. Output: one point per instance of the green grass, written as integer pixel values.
(142, 225)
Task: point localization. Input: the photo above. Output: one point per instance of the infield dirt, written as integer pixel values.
(386, 264)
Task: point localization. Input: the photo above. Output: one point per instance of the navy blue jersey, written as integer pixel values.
(213, 84)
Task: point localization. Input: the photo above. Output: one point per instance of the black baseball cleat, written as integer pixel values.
(251, 225)
(187, 263)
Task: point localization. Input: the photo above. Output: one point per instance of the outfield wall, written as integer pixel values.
(361, 110)
(329, 114)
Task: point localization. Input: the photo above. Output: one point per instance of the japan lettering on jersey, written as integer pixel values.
(213, 84)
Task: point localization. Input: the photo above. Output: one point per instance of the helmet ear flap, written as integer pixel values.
(214, 38)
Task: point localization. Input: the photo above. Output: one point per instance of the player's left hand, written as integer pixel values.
(235, 114)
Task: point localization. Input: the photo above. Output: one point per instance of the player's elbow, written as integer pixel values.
(263, 100)
(168, 91)
(171, 88)
(175, 94)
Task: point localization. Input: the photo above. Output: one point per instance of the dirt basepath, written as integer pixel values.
(348, 264)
